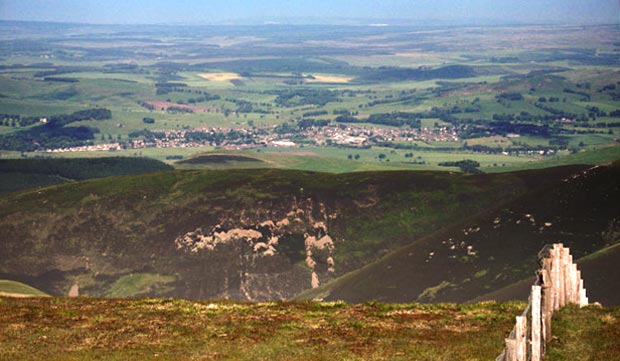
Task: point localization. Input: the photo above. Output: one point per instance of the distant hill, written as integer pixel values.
(19, 174)
(242, 234)
(598, 270)
(499, 247)
(18, 289)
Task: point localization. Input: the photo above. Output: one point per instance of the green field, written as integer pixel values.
(18, 289)
(446, 82)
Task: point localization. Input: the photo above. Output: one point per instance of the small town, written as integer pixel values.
(272, 136)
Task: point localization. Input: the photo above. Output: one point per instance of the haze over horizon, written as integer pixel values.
(319, 11)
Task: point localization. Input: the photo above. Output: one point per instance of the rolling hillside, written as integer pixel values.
(597, 270)
(17, 289)
(245, 235)
(499, 247)
(21, 174)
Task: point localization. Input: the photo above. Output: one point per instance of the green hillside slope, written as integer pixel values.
(18, 289)
(497, 248)
(248, 235)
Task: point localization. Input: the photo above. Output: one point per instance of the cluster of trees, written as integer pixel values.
(62, 70)
(203, 95)
(345, 112)
(285, 128)
(61, 80)
(390, 99)
(550, 99)
(307, 123)
(174, 109)
(165, 88)
(43, 137)
(315, 113)
(244, 106)
(146, 105)
(504, 128)
(466, 165)
(297, 97)
(89, 114)
(396, 119)
(607, 87)
(585, 96)
(54, 134)
(219, 138)
(509, 96)
(559, 113)
(422, 73)
(594, 112)
(60, 120)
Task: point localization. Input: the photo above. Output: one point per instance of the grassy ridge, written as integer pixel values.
(167, 329)
(497, 247)
(178, 329)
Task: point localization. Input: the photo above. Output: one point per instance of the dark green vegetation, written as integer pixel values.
(219, 159)
(206, 234)
(53, 131)
(598, 271)
(483, 253)
(68, 329)
(19, 174)
(102, 230)
(466, 166)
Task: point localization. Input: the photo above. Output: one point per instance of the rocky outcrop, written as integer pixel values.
(300, 237)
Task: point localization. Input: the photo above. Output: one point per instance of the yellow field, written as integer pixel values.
(220, 76)
(325, 78)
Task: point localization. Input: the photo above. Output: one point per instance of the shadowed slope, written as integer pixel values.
(496, 248)
(250, 235)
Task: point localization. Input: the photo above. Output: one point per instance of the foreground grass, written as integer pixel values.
(83, 328)
(590, 333)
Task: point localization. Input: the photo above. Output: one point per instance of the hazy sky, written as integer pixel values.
(220, 11)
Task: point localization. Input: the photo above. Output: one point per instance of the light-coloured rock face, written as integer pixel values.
(74, 291)
(264, 238)
(315, 280)
(197, 240)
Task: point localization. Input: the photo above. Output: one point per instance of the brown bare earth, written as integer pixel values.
(329, 79)
(220, 76)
